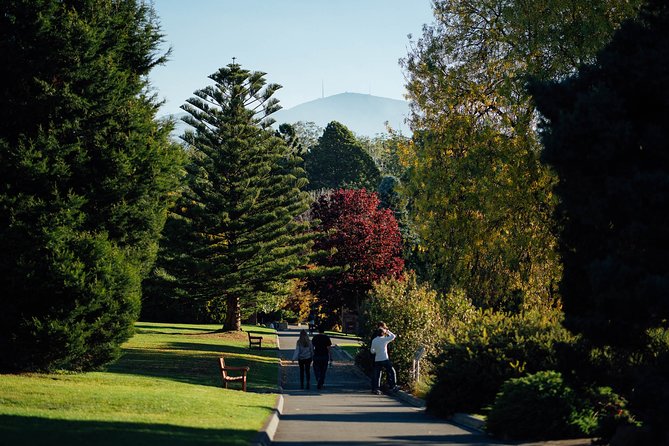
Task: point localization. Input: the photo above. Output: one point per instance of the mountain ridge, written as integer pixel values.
(363, 114)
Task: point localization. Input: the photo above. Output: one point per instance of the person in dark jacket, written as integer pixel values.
(322, 355)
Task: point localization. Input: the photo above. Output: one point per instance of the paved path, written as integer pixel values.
(345, 412)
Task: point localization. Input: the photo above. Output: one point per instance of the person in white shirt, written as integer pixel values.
(379, 349)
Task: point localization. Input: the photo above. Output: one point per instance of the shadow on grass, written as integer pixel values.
(197, 363)
(153, 328)
(34, 431)
(258, 332)
(348, 337)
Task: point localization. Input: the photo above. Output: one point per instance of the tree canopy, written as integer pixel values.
(339, 160)
(480, 197)
(605, 134)
(87, 175)
(362, 239)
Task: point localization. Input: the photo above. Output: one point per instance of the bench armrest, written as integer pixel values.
(226, 368)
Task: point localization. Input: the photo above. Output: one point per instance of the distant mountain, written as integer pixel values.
(363, 114)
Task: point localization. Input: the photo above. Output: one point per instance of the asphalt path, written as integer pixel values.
(345, 412)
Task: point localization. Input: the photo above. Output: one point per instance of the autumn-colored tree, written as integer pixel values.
(362, 239)
(481, 198)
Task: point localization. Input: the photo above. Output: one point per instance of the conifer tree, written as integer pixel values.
(605, 135)
(87, 175)
(244, 196)
(339, 160)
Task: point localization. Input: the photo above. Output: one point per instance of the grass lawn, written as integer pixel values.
(165, 390)
(351, 349)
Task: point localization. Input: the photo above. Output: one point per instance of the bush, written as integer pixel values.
(610, 411)
(412, 313)
(491, 348)
(538, 407)
(543, 407)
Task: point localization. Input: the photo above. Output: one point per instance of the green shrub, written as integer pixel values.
(491, 348)
(543, 407)
(610, 410)
(537, 407)
(412, 312)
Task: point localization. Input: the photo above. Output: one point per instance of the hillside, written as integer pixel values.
(363, 114)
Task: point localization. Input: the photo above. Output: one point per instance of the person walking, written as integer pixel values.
(322, 355)
(304, 353)
(312, 323)
(379, 349)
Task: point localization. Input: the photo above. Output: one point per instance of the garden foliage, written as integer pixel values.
(490, 348)
(361, 239)
(87, 175)
(543, 406)
(413, 313)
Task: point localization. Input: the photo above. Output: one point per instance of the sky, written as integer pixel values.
(310, 47)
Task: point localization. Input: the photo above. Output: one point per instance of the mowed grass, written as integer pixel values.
(165, 390)
(351, 349)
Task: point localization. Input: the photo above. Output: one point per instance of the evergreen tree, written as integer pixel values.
(244, 194)
(87, 175)
(169, 294)
(339, 160)
(605, 134)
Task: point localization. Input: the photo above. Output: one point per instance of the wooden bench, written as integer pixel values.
(255, 341)
(228, 378)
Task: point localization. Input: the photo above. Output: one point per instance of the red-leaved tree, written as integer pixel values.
(362, 239)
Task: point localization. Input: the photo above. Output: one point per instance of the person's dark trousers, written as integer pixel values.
(305, 371)
(320, 367)
(390, 372)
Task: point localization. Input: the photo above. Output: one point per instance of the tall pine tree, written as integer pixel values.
(244, 196)
(87, 175)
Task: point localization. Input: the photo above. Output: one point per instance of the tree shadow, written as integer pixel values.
(181, 330)
(197, 363)
(34, 431)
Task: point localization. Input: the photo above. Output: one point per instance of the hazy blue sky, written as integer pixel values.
(344, 45)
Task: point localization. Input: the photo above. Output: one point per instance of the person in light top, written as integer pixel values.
(304, 353)
(379, 349)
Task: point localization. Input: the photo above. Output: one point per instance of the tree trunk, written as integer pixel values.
(233, 316)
